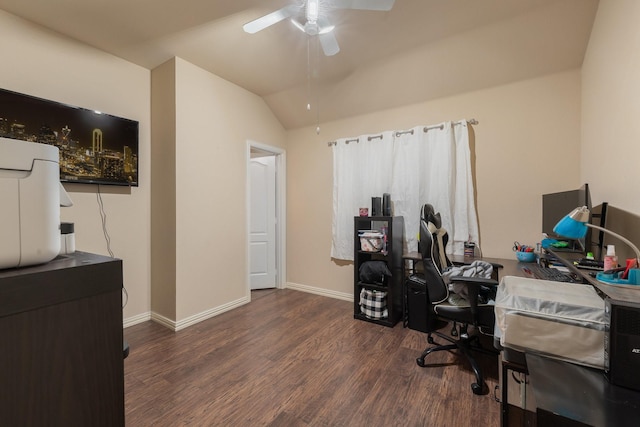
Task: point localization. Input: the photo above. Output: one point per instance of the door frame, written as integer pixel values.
(281, 204)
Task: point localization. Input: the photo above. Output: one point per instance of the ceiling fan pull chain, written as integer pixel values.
(317, 82)
(308, 74)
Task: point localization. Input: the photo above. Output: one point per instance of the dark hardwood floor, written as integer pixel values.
(291, 358)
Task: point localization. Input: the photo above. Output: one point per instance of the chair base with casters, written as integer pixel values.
(465, 344)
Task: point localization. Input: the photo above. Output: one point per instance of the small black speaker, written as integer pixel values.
(386, 204)
(376, 206)
(622, 343)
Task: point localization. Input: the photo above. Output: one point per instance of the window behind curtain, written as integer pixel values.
(415, 167)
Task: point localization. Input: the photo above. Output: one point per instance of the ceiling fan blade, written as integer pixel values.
(329, 43)
(324, 26)
(382, 5)
(270, 19)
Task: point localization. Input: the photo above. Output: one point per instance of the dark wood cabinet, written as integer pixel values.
(62, 363)
(393, 228)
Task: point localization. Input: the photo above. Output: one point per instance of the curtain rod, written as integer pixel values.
(403, 132)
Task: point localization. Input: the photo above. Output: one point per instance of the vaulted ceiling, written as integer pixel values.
(420, 50)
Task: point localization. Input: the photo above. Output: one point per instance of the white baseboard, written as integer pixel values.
(184, 323)
(197, 318)
(164, 321)
(320, 291)
(140, 318)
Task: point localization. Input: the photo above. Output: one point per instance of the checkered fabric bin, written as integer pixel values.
(373, 304)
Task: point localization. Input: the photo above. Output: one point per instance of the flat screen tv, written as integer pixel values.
(95, 148)
(556, 205)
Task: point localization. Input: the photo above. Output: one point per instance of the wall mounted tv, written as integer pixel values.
(95, 148)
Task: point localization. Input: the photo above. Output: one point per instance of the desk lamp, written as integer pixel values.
(574, 226)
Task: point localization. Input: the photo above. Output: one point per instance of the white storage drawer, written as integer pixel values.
(560, 320)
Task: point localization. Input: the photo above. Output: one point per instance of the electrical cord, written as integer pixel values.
(103, 217)
(479, 250)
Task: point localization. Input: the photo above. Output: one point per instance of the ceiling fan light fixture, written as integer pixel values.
(311, 28)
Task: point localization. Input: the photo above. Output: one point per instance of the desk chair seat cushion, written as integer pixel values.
(461, 313)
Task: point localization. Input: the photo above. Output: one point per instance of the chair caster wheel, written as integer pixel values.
(420, 361)
(430, 340)
(476, 388)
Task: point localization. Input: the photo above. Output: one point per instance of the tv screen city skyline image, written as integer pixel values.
(94, 147)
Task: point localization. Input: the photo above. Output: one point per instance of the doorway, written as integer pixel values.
(265, 216)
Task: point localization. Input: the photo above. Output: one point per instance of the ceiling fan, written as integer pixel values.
(315, 23)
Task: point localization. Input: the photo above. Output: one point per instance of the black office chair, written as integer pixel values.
(433, 240)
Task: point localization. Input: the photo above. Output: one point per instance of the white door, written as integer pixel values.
(262, 231)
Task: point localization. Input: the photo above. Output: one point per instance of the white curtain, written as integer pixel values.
(415, 167)
(362, 169)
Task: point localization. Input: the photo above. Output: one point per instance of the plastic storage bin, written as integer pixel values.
(561, 320)
(370, 240)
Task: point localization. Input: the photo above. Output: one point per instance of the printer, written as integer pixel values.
(30, 198)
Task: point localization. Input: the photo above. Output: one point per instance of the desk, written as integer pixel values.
(62, 359)
(567, 394)
(583, 396)
(617, 292)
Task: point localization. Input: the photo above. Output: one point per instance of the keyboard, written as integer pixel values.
(590, 264)
(545, 273)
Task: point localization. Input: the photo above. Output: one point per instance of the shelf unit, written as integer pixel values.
(393, 258)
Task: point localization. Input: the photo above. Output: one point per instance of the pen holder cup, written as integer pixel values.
(526, 256)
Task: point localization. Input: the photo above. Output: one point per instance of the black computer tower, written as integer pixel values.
(622, 343)
(419, 313)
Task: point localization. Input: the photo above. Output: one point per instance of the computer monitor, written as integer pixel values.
(556, 205)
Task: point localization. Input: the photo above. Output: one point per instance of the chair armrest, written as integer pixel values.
(473, 285)
(474, 281)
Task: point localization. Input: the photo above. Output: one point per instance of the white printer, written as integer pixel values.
(30, 198)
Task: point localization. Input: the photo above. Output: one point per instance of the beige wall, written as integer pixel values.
(41, 63)
(163, 191)
(611, 104)
(535, 136)
(527, 143)
(213, 119)
(202, 229)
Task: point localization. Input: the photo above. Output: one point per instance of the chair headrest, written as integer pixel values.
(429, 214)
